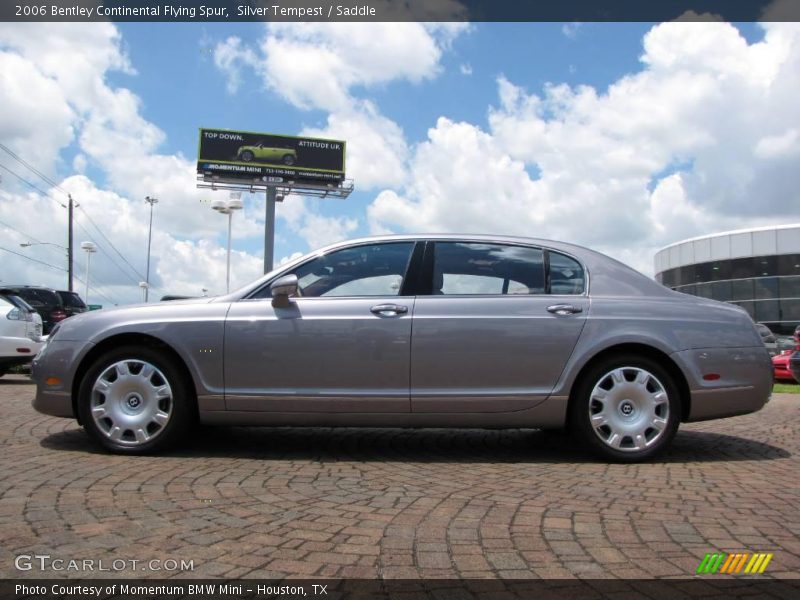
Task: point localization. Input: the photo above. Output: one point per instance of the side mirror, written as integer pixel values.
(282, 288)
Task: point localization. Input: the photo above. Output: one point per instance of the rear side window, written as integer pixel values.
(566, 275)
(71, 299)
(472, 268)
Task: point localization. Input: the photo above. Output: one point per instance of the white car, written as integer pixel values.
(20, 334)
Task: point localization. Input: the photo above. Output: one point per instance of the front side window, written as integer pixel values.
(369, 270)
(487, 269)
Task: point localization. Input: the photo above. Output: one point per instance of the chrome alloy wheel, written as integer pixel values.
(629, 409)
(131, 402)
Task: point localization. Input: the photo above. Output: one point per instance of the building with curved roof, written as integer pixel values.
(758, 269)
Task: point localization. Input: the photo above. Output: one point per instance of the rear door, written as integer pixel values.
(497, 329)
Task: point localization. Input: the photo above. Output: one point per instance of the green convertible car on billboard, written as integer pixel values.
(261, 153)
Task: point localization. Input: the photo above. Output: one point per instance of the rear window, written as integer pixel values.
(72, 300)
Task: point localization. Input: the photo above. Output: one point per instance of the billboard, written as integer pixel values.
(269, 157)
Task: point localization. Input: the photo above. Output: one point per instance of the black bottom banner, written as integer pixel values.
(435, 589)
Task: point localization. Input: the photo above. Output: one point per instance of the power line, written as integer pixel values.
(96, 288)
(103, 235)
(55, 185)
(86, 231)
(22, 233)
(41, 262)
(25, 181)
(25, 163)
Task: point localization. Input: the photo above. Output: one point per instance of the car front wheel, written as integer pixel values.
(626, 409)
(135, 400)
(247, 156)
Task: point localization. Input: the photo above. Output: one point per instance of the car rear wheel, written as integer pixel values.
(626, 409)
(135, 400)
(288, 159)
(246, 156)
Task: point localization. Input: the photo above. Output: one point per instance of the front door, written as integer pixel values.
(343, 345)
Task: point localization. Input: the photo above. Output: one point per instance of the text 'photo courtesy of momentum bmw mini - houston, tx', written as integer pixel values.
(415, 331)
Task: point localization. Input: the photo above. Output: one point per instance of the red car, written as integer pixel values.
(780, 364)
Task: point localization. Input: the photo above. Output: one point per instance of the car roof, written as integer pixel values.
(24, 286)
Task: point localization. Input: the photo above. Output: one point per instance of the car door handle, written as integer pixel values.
(564, 309)
(388, 310)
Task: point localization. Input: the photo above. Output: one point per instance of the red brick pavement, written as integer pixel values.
(399, 503)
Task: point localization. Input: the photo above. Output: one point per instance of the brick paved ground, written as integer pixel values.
(395, 503)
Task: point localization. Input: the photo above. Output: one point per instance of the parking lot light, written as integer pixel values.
(90, 248)
(228, 207)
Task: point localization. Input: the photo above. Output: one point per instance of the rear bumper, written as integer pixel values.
(725, 382)
(10, 354)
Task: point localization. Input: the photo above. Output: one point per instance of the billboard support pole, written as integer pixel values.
(269, 229)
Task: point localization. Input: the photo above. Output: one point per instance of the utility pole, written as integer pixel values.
(150, 201)
(69, 245)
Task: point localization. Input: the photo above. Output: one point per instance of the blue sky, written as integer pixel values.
(624, 137)
(181, 89)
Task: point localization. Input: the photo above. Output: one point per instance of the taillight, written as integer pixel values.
(58, 315)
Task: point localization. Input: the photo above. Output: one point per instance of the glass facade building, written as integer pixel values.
(758, 269)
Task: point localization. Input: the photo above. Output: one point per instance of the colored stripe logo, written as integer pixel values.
(733, 564)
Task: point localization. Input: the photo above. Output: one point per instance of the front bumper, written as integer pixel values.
(725, 382)
(57, 361)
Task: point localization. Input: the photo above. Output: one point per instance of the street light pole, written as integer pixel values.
(151, 202)
(227, 208)
(89, 248)
(69, 244)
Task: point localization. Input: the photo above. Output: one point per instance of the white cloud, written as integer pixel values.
(230, 56)
(317, 65)
(327, 66)
(48, 123)
(696, 141)
(55, 92)
(316, 229)
(570, 30)
(376, 146)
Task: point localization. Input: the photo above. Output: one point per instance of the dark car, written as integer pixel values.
(794, 359)
(45, 301)
(770, 342)
(73, 303)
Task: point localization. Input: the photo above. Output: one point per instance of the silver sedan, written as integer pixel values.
(415, 331)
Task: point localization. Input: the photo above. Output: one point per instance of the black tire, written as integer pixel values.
(288, 160)
(582, 405)
(247, 156)
(182, 401)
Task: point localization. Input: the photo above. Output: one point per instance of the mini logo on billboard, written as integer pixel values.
(270, 157)
(734, 564)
